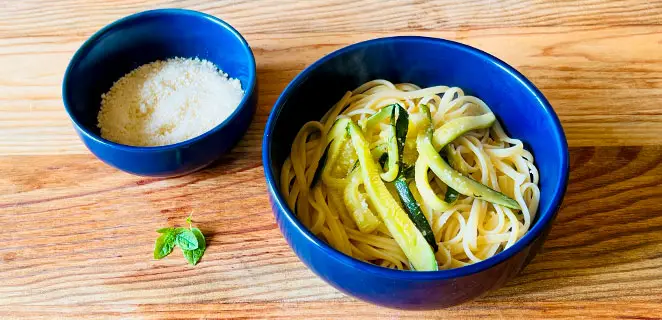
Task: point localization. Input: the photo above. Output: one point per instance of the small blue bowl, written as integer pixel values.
(142, 38)
(521, 108)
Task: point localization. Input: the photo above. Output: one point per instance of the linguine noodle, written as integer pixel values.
(338, 209)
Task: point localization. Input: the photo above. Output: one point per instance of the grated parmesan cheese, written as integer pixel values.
(166, 102)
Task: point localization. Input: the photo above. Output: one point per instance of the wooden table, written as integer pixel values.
(78, 235)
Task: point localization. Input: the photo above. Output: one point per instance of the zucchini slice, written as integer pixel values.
(451, 195)
(378, 117)
(320, 165)
(403, 230)
(391, 142)
(355, 201)
(422, 184)
(401, 126)
(454, 179)
(414, 211)
(457, 127)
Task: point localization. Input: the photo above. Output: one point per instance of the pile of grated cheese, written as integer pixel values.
(166, 102)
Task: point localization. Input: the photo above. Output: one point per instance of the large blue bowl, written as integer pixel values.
(146, 37)
(520, 107)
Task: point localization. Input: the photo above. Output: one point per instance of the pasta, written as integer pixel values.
(419, 139)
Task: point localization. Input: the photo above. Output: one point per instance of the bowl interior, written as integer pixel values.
(520, 108)
(143, 38)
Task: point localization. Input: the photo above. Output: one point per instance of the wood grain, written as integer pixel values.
(605, 95)
(77, 235)
(82, 17)
(605, 245)
(340, 309)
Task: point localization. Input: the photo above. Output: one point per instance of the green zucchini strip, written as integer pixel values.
(414, 211)
(336, 138)
(421, 168)
(392, 160)
(391, 143)
(376, 118)
(454, 159)
(382, 160)
(408, 172)
(454, 179)
(457, 127)
(355, 201)
(401, 125)
(378, 151)
(423, 185)
(451, 195)
(320, 165)
(403, 230)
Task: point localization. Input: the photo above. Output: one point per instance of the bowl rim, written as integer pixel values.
(92, 41)
(543, 218)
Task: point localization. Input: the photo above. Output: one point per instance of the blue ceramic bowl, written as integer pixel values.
(143, 38)
(521, 108)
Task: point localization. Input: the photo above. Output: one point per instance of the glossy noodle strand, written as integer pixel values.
(329, 197)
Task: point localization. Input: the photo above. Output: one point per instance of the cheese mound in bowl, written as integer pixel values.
(166, 102)
(146, 93)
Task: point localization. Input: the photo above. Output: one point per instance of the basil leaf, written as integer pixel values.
(193, 256)
(185, 239)
(165, 230)
(164, 245)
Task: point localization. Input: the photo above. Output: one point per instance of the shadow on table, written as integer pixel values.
(610, 220)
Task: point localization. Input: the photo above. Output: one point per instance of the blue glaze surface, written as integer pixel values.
(143, 38)
(519, 105)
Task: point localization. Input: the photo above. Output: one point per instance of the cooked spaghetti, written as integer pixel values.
(411, 178)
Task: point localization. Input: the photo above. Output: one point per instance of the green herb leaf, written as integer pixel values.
(188, 220)
(164, 244)
(193, 256)
(186, 239)
(165, 230)
(190, 240)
